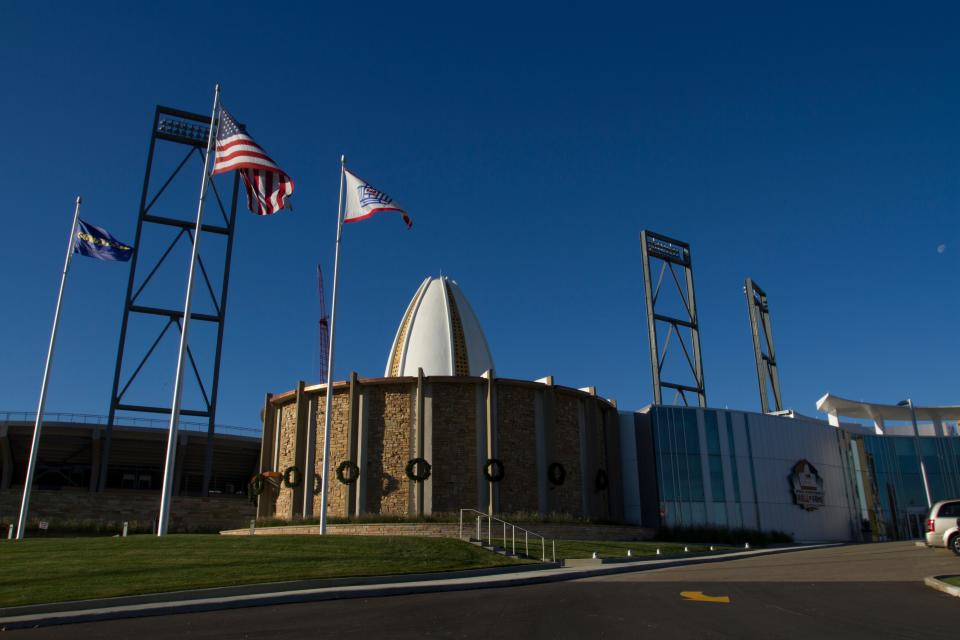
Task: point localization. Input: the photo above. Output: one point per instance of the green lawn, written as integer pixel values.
(35, 571)
(954, 580)
(604, 549)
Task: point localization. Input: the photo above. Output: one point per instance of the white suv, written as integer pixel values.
(943, 525)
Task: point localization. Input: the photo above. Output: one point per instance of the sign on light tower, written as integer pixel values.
(672, 256)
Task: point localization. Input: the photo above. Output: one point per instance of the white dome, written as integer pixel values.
(440, 334)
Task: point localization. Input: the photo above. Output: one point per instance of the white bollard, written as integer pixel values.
(686, 549)
(629, 553)
(594, 555)
(10, 533)
(746, 545)
(658, 551)
(253, 527)
(711, 548)
(125, 529)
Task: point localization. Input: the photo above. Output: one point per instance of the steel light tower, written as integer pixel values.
(174, 134)
(758, 310)
(672, 255)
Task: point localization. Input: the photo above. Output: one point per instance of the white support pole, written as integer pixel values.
(919, 448)
(172, 440)
(38, 424)
(328, 404)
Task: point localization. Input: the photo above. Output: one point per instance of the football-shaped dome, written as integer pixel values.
(440, 334)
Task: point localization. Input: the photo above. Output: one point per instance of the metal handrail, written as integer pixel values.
(514, 528)
(91, 418)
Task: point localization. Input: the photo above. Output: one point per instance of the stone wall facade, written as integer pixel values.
(338, 500)
(69, 510)
(456, 424)
(517, 431)
(287, 444)
(454, 446)
(567, 497)
(391, 443)
(550, 530)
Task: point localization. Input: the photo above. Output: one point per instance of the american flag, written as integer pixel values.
(268, 185)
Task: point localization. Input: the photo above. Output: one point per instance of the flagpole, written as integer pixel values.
(328, 405)
(168, 470)
(38, 424)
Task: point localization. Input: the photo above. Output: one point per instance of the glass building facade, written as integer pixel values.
(736, 469)
(891, 485)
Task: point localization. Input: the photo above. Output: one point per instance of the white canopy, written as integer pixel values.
(835, 407)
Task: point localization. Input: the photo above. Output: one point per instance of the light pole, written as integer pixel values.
(916, 443)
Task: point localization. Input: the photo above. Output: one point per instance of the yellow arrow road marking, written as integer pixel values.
(699, 597)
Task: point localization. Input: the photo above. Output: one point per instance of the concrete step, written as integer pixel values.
(494, 548)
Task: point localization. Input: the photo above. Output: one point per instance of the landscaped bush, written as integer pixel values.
(723, 535)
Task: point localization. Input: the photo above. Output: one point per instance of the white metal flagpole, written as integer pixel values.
(35, 445)
(328, 405)
(168, 469)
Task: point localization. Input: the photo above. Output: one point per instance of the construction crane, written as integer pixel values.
(323, 330)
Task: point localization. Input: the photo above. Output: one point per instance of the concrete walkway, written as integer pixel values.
(318, 590)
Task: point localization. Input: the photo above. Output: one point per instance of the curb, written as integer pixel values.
(298, 592)
(934, 582)
(261, 587)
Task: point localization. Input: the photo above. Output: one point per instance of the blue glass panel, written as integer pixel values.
(696, 477)
(716, 480)
(712, 432)
(690, 431)
(698, 513)
(733, 459)
(720, 515)
(683, 478)
(667, 489)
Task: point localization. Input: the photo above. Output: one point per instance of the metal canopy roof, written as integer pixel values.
(836, 405)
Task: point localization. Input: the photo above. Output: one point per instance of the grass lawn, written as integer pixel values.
(604, 549)
(35, 571)
(954, 580)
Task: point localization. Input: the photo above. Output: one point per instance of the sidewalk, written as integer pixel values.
(316, 590)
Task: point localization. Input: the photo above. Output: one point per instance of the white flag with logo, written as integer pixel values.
(363, 201)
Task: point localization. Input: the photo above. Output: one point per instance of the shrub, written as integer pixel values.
(723, 535)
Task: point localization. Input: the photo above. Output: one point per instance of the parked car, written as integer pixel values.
(943, 525)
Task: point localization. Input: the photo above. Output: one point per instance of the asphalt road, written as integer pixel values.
(866, 591)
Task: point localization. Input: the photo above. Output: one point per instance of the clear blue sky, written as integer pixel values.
(813, 147)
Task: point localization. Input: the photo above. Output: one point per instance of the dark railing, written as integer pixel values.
(90, 418)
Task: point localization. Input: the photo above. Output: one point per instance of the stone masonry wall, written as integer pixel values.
(567, 447)
(454, 455)
(390, 442)
(599, 509)
(517, 436)
(338, 497)
(390, 445)
(558, 531)
(76, 508)
(287, 449)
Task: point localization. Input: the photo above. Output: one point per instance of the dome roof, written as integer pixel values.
(440, 334)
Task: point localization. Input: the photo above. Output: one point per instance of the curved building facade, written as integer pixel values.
(509, 446)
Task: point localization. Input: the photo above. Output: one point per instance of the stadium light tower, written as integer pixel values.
(672, 255)
(174, 134)
(758, 309)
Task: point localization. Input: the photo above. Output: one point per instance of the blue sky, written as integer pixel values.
(813, 148)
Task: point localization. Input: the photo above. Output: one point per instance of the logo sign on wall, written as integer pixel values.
(807, 486)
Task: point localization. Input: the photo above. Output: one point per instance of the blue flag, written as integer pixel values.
(97, 243)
